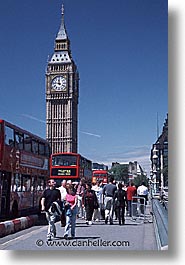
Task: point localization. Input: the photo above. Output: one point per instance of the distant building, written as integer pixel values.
(159, 159)
(133, 169)
(115, 163)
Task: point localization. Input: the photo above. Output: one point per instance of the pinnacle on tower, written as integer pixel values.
(62, 34)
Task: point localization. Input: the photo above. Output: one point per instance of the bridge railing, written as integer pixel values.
(160, 216)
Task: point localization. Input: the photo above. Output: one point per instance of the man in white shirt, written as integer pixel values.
(63, 193)
(142, 191)
(62, 190)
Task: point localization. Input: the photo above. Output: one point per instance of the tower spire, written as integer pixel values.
(62, 34)
(62, 14)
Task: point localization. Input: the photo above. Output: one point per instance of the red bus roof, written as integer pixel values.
(99, 171)
(70, 153)
(23, 131)
(65, 153)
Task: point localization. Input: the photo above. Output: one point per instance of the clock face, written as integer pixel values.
(59, 83)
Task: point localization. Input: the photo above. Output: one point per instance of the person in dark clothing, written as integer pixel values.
(90, 202)
(49, 196)
(119, 201)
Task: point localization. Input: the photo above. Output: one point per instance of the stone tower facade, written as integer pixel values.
(62, 92)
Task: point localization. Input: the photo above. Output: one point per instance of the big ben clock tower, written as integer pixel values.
(62, 90)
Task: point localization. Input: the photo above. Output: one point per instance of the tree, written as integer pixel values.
(139, 179)
(120, 172)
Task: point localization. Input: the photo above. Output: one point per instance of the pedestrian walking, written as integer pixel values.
(108, 192)
(131, 191)
(63, 193)
(98, 191)
(71, 212)
(80, 188)
(49, 196)
(62, 189)
(90, 202)
(119, 201)
(142, 191)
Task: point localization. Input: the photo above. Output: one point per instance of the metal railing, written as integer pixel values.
(160, 223)
(138, 208)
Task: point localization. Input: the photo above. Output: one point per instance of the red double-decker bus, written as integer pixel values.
(70, 166)
(24, 170)
(100, 175)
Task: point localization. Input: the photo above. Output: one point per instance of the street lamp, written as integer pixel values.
(161, 169)
(151, 182)
(154, 169)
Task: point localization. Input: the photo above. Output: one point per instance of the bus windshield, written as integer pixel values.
(64, 160)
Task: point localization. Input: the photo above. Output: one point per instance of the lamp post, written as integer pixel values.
(154, 169)
(161, 169)
(151, 182)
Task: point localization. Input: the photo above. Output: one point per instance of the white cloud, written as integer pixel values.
(32, 118)
(141, 154)
(91, 134)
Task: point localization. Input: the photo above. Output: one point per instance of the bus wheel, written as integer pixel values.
(15, 209)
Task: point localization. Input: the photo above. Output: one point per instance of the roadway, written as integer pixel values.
(134, 235)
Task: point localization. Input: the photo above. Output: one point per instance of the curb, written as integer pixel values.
(18, 224)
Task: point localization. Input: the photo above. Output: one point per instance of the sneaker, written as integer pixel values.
(106, 220)
(90, 222)
(50, 237)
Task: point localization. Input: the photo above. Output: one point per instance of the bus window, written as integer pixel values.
(9, 136)
(41, 149)
(41, 185)
(27, 143)
(64, 160)
(19, 140)
(26, 183)
(35, 147)
(33, 183)
(47, 151)
(17, 182)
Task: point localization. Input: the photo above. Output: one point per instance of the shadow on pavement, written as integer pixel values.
(79, 238)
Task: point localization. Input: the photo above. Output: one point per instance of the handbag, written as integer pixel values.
(69, 212)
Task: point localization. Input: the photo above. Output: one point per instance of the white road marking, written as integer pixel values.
(27, 235)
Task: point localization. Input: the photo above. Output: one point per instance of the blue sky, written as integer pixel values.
(120, 48)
